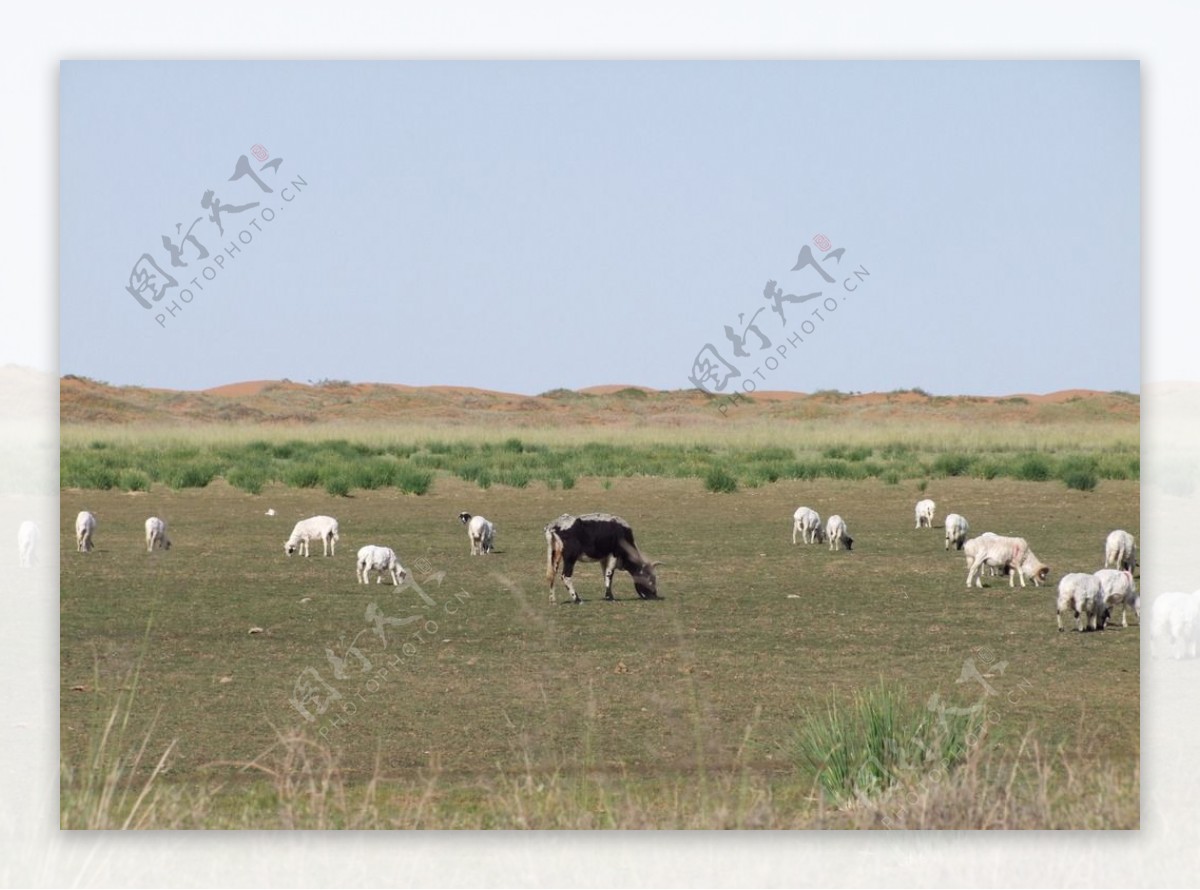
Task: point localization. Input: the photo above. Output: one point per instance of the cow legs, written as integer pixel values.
(567, 572)
(609, 566)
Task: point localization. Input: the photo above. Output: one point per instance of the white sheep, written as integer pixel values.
(1009, 555)
(481, 532)
(1119, 590)
(1120, 551)
(27, 538)
(1175, 624)
(807, 522)
(156, 534)
(956, 531)
(378, 559)
(924, 513)
(838, 534)
(324, 528)
(85, 527)
(1081, 593)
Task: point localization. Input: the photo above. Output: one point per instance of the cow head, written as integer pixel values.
(645, 581)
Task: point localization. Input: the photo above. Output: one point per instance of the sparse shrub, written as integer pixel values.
(190, 475)
(720, 480)
(515, 477)
(1079, 473)
(372, 474)
(568, 481)
(986, 469)
(951, 464)
(1033, 468)
(338, 486)
(249, 479)
(134, 480)
(891, 477)
(303, 476)
(922, 485)
(412, 480)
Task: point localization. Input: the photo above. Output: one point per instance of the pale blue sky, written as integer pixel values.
(525, 226)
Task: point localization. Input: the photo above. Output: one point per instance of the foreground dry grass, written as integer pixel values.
(513, 713)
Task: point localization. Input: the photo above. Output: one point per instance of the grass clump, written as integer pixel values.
(862, 750)
(720, 481)
(1079, 473)
(1033, 468)
(412, 480)
(134, 480)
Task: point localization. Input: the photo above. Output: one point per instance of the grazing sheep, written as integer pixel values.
(1175, 624)
(378, 559)
(924, 512)
(1081, 593)
(481, 532)
(156, 534)
(1119, 551)
(808, 523)
(956, 531)
(1010, 555)
(837, 533)
(27, 538)
(85, 527)
(1118, 589)
(323, 527)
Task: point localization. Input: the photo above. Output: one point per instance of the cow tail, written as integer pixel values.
(553, 555)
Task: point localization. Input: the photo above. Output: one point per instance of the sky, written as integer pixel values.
(524, 226)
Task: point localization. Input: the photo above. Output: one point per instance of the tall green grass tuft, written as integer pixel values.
(720, 480)
(1034, 468)
(1079, 473)
(861, 750)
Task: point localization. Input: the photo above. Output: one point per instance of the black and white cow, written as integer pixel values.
(602, 537)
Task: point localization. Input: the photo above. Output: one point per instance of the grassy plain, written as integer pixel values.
(473, 702)
(514, 712)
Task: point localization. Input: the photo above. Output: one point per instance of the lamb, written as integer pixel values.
(156, 534)
(379, 559)
(27, 537)
(956, 531)
(924, 513)
(481, 532)
(1119, 551)
(1006, 554)
(1118, 589)
(808, 523)
(323, 527)
(1081, 593)
(837, 533)
(85, 527)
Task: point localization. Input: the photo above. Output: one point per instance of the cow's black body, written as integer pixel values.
(602, 537)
